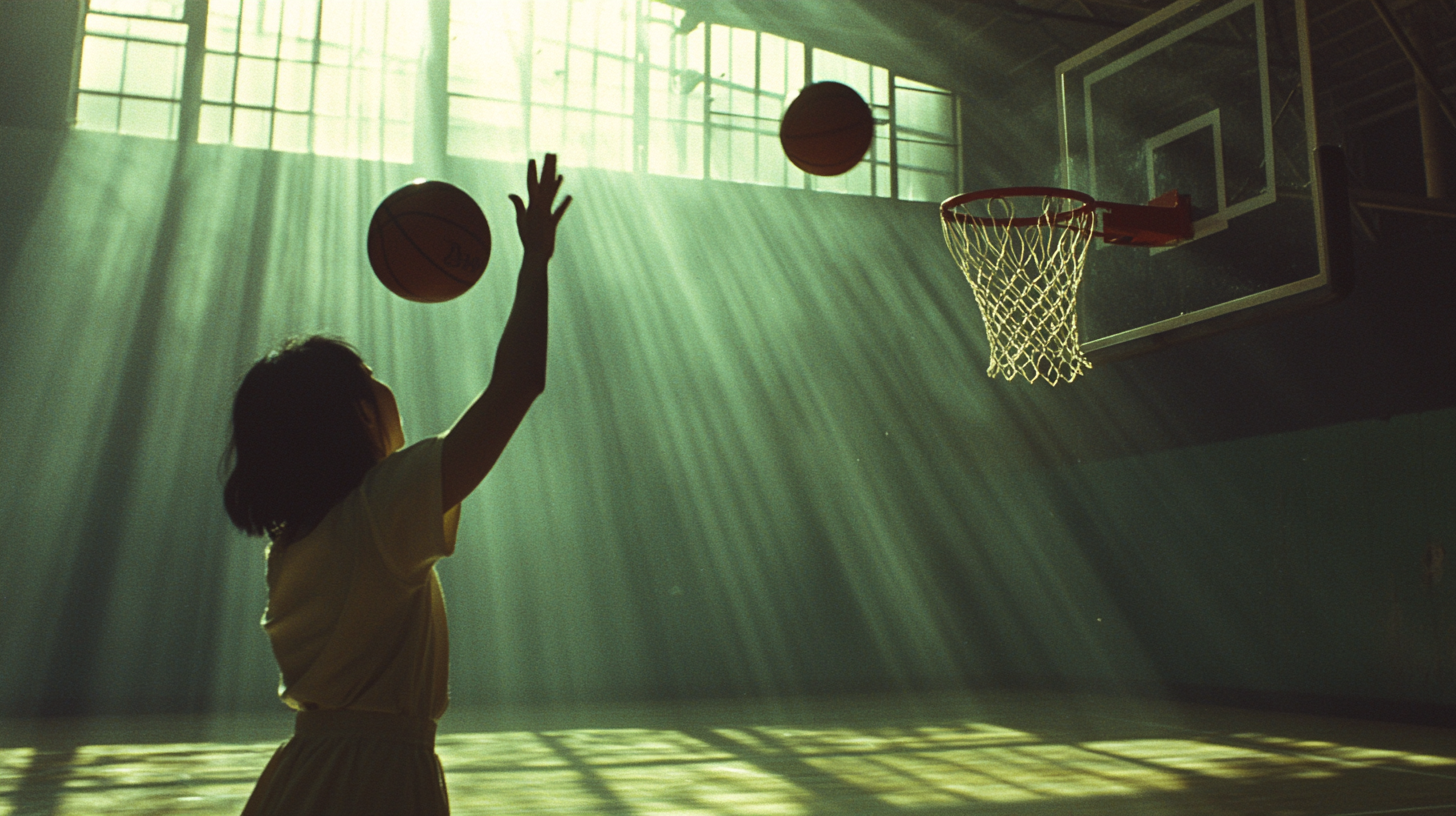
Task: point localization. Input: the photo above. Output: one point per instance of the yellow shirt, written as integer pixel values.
(355, 612)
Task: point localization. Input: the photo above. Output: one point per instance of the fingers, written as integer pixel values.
(543, 186)
(560, 211)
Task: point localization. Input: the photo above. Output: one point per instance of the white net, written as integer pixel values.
(1025, 280)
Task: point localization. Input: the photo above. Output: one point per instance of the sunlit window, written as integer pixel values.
(751, 79)
(623, 85)
(531, 76)
(926, 141)
(871, 176)
(333, 77)
(132, 55)
(676, 94)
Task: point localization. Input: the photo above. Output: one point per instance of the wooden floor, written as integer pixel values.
(1014, 754)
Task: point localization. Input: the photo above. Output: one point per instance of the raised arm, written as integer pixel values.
(472, 446)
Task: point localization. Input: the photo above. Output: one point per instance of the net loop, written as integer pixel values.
(1025, 271)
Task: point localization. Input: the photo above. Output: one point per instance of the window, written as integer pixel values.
(623, 85)
(619, 85)
(751, 78)
(333, 77)
(926, 142)
(676, 94)
(132, 55)
(544, 75)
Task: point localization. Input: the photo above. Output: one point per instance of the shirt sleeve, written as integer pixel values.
(401, 497)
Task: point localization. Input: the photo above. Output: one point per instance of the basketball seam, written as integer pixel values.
(835, 131)
(384, 256)
(802, 163)
(394, 219)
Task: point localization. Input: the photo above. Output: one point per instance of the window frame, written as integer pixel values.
(709, 127)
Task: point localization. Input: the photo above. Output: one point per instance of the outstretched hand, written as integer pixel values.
(536, 222)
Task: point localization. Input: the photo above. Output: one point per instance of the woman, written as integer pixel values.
(357, 521)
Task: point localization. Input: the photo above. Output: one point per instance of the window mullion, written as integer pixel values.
(189, 113)
(808, 80)
(315, 57)
(707, 100)
(277, 64)
(641, 89)
(894, 143)
(757, 102)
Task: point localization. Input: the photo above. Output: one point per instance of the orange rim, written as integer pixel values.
(947, 207)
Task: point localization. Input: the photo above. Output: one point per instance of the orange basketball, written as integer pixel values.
(827, 129)
(428, 242)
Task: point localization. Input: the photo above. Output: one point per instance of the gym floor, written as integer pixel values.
(1023, 754)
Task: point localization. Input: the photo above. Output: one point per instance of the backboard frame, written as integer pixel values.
(1329, 276)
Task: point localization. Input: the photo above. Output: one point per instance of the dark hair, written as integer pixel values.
(299, 443)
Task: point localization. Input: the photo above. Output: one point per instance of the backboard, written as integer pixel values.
(1211, 97)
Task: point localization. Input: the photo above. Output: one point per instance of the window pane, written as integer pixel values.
(335, 135)
(103, 24)
(217, 78)
(486, 130)
(676, 149)
(831, 67)
(290, 132)
(152, 70)
(158, 31)
(496, 33)
(101, 61)
(255, 82)
(137, 29)
(399, 96)
(612, 143)
(147, 117)
(169, 9)
(548, 134)
(772, 165)
(615, 80)
(911, 84)
(215, 125)
(923, 186)
(222, 25)
(331, 91)
(577, 140)
(774, 52)
(743, 59)
(580, 87)
(856, 181)
(252, 128)
(95, 112)
(258, 31)
(399, 142)
(930, 114)
(548, 73)
(923, 156)
(295, 86)
(299, 26)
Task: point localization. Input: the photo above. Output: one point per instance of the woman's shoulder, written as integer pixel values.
(406, 466)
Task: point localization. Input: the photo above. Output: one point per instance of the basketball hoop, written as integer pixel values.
(1025, 269)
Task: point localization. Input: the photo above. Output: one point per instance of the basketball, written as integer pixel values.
(827, 129)
(428, 242)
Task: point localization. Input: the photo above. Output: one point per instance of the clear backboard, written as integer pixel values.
(1212, 98)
